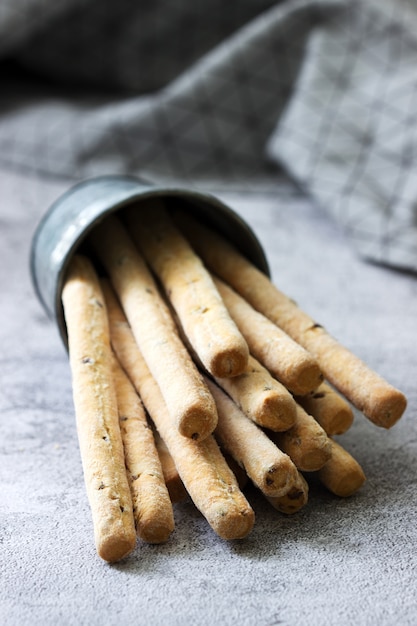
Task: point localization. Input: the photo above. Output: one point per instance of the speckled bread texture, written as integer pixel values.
(261, 397)
(97, 418)
(379, 401)
(342, 474)
(283, 357)
(306, 442)
(203, 469)
(187, 397)
(204, 472)
(269, 468)
(329, 409)
(294, 499)
(189, 287)
(152, 506)
(177, 491)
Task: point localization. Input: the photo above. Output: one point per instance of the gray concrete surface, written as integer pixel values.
(342, 562)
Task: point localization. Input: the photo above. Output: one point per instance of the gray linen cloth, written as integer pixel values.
(224, 95)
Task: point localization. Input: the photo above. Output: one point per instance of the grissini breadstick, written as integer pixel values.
(262, 399)
(189, 287)
(190, 404)
(306, 443)
(204, 472)
(283, 357)
(241, 476)
(269, 469)
(380, 402)
(96, 412)
(152, 506)
(329, 409)
(294, 499)
(342, 474)
(177, 491)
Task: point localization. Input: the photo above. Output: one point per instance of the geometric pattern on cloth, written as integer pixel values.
(210, 95)
(350, 139)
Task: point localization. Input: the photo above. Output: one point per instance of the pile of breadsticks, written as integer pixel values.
(193, 373)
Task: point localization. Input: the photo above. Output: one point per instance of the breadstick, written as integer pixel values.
(176, 489)
(285, 359)
(97, 418)
(342, 474)
(189, 287)
(190, 404)
(328, 408)
(261, 398)
(152, 506)
(294, 500)
(241, 476)
(306, 443)
(204, 472)
(269, 469)
(380, 402)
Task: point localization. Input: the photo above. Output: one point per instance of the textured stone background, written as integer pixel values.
(337, 561)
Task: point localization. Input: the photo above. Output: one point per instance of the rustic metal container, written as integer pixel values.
(71, 217)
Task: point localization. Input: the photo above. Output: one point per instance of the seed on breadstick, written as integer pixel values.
(269, 469)
(342, 474)
(190, 404)
(189, 287)
(152, 506)
(204, 472)
(285, 359)
(294, 499)
(306, 443)
(261, 398)
(329, 409)
(175, 486)
(96, 412)
(380, 402)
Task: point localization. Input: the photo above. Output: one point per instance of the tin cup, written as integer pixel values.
(70, 219)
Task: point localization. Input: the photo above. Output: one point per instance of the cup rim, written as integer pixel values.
(137, 191)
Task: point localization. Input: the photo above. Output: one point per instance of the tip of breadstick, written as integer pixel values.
(229, 362)
(305, 378)
(348, 484)
(280, 478)
(197, 422)
(156, 533)
(315, 458)
(386, 409)
(294, 499)
(113, 548)
(233, 525)
(341, 422)
(279, 412)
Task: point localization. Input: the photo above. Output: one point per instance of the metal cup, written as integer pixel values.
(71, 218)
